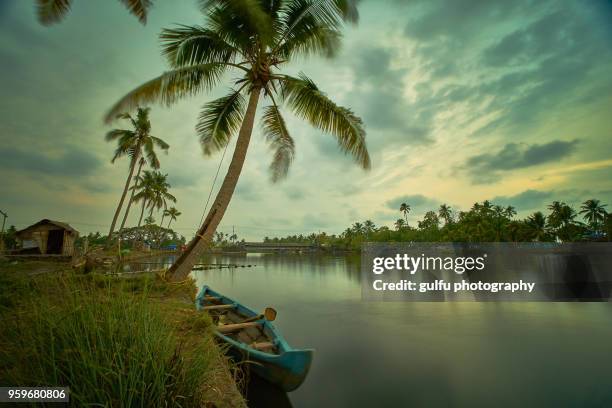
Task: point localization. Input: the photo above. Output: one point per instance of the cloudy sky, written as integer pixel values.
(463, 101)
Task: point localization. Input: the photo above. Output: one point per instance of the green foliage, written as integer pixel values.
(484, 222)
(110, 345)
(10, 238)
(53, 11)
(255, 39)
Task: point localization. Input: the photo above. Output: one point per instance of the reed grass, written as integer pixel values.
(106, 341)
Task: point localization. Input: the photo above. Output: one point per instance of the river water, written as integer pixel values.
(371, 354)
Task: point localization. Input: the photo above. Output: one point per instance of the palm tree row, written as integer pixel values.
(483, 222)
(149, 187)
(254, 39)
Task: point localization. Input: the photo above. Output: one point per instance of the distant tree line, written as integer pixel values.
(483, 222)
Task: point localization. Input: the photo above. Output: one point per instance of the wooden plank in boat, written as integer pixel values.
(218, 307)
(262, 346)
(228, 328)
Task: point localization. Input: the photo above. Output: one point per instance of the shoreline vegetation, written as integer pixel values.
(483, 222)
(134, 341)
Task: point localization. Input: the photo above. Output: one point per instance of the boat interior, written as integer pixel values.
(247, 329)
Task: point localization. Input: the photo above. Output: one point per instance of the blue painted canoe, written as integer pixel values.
(259, 344)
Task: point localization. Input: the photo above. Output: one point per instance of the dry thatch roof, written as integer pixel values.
(61, 225)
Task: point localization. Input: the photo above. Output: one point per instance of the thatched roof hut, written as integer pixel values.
(48, 237)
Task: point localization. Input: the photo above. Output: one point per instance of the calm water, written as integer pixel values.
(422, 354)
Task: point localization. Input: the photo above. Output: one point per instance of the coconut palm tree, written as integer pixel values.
(148, 142)
(537, 225)
(53, 11)
(510, 211)
(400, 224)
(405, 209)
(173, 213)
(145, 186)
(254, 39)
(445, 212)
(160, 195)
(137, 143)
(593, 212)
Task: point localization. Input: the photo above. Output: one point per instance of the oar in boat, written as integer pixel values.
(269, 314)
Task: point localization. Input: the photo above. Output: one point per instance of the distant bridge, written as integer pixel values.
(279, 247)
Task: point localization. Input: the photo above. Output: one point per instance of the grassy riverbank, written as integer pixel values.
(113, 341)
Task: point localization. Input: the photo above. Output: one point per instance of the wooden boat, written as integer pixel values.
(252, 338)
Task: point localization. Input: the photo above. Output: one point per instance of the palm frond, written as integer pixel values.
(309, 103)
(170, 87)
(118, 133)
(239, 22)
(219, 120)
(149, 151)
(139, 8)
(275, 131)
(52, 11)
(311, 39)
(326, 13)
(188, 45)
(160, 143)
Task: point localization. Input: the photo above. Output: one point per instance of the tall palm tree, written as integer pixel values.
(135, 143)
(148, 142)
(173, 213)
(53, 11)
(554, 219)
(510, 211)
(255, 39)
(405, 209)
(537, 225)
(400, 224)
(160, 197)
(445, 212)
(593, 212)
(146, 186)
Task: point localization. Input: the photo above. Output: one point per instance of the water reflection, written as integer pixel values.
(421, 354)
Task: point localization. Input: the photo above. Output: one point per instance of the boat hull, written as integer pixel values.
(287, 369)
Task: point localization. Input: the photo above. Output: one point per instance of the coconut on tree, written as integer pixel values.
(137, 143)
(255, 40)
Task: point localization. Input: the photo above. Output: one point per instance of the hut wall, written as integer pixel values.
(69, 239)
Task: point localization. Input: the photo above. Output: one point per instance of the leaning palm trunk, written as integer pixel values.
(127, 210)
(144, 202)
(125, 189)
(183, 265)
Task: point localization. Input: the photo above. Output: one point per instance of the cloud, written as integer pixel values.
(247, 191)
(527, 200)
(72, 161)
(538, 200)
(440, 19)
(378, 96)
(294, 193)
(486, 167)
(417, 202)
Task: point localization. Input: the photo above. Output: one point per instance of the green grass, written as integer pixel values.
(128, 342)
